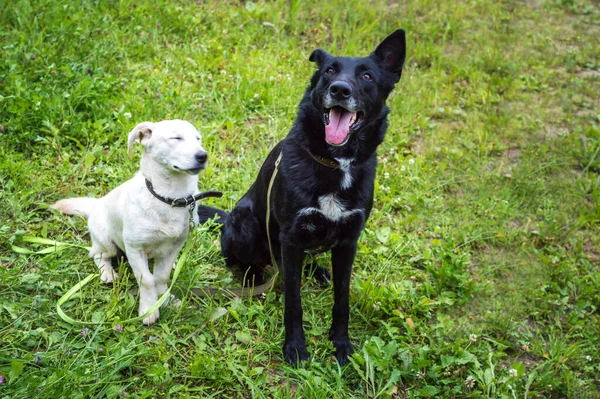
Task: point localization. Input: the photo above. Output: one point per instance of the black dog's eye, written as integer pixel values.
(330, 71)
(367, 77)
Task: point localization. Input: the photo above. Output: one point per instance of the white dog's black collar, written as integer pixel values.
(182, 201)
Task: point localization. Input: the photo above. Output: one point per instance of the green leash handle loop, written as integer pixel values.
(76, 288)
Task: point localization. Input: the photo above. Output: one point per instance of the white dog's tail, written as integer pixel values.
(81, 206)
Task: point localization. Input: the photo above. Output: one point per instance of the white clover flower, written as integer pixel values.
(588, 358)
(255, 95)
(473, 338)
(513, 373)
(386, 175)
(403, 168)
(470, 382)
(411, 161)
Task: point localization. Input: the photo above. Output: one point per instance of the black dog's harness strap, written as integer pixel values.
(268, 216)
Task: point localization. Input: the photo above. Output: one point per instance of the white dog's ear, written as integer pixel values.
(142, 131)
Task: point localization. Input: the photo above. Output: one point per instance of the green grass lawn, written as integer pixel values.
(477, 275)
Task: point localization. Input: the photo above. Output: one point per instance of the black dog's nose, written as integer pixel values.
(201, 156)
(340, 90)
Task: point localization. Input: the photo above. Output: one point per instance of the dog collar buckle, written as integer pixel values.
(182, 202)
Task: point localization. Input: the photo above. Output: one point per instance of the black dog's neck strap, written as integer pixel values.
(182, 201)
(330, 163)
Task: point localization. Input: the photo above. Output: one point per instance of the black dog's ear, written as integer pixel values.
(320, 57)
(390, 54)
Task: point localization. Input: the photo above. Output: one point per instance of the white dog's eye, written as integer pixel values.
(176, 138)
(198, 138)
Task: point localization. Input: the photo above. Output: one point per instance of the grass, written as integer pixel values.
(478, 274)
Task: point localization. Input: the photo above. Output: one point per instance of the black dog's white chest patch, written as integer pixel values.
(345, 167)
(331, 207)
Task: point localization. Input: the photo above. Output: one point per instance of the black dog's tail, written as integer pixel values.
(205, 213)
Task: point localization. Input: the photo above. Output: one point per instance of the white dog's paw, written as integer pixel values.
(108, 275)
(151, 319)
(173, 302)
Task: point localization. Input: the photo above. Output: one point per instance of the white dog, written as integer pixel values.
(136, 217)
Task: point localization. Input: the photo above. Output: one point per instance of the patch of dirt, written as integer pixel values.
(589, 248)
(514, 224)
(417, 146)
(534, 3)
(552, 121)
(499, 167)
(512, 154)
(250, 123)
(529, 360)
(589, 74)
(585, 113)
(554, 132)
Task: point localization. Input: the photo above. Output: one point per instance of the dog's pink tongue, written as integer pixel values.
(339, 125)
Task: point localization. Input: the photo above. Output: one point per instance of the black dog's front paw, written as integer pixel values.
(295, 352)
(343, 349)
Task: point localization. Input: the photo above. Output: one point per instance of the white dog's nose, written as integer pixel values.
(201, 156)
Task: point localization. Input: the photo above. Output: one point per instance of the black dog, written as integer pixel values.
(323, 192)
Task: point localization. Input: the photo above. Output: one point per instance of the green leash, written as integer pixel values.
(268, 216)
(56, 246)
